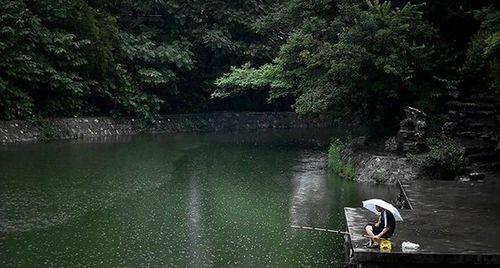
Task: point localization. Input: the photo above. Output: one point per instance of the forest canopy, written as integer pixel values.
(349, 59)
(128, 58)
(366, 60)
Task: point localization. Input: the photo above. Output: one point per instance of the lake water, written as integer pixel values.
(196, 200)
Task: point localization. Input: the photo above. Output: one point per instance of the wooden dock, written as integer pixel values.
(455, 223)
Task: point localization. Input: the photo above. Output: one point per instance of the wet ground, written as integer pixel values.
(452, 221)
(220, 199)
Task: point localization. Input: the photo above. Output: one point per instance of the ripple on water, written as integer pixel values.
(224, 199)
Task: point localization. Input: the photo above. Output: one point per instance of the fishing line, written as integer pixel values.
(323, 230)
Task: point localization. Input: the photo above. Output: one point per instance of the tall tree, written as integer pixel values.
(365, 63)
(134, 58)
(482, 68)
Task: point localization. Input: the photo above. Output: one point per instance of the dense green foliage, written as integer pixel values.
(482, 67)
(445, 159)
(352, 59)
(363, 60)
(139, 58)
(336, 163)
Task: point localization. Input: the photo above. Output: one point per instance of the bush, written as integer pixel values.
(337, 164)
(445, 159)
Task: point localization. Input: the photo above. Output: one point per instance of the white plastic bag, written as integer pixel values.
(409, 246)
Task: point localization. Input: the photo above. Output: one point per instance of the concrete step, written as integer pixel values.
(476, 127)
(482, 167)
(472, 146)
(478, 150)
(470, 106)
(482, 157)
(472, 114)
(489, 121)
(475, 134)
(481, 99)
(478, 124)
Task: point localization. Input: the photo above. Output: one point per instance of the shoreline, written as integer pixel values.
(24, 131)
(356, 161)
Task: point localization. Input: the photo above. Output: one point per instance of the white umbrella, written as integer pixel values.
(371, 203)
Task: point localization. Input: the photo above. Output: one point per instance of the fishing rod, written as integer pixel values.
(323, 230)
(319, 229)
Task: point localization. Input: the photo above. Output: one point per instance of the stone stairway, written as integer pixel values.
(472, 122)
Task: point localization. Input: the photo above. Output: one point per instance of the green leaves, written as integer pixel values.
(35, 60)
(72, 59)
(347, 58)
(155, 77)
(246, 77)
(365, 63)
(145, 49)
(14, 103)
(126, 58)
(482, 67)
(445, 159)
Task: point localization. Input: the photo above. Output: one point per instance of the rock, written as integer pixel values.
(414, 113)
(392, 144)
(420, 126)
(449, 127)
(407, 123)
(382, 169)
(475, 176)
(454, 94)
(464, 178)
(91, 127)
(358, 143)
(406, 134)
(414, 147)
(412, 133)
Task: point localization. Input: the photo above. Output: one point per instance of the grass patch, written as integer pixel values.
(337, 164)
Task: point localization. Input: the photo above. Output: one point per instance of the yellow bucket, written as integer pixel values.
(385, 245)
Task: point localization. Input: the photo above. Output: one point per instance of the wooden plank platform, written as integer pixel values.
(455, 223)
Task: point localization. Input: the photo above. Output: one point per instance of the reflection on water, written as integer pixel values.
(219, 199)
(310, 199)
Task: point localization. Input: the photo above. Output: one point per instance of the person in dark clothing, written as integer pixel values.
(383, 228)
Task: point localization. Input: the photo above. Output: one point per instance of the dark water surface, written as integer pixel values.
(217, 199)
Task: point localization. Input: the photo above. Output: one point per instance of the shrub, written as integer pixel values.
(445, 159)
(336, 163)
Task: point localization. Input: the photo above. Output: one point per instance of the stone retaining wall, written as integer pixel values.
(16, 131)
(381, 167)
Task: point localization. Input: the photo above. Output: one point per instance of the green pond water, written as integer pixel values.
(195, 200)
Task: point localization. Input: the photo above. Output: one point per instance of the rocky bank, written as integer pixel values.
(380, 167)
(391, 165)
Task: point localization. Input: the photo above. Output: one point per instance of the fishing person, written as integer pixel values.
(383, 228)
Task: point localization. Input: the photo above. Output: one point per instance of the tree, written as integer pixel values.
(366, 64)
(347, 58)
(482, 68)
(125, 58)
(61, 60)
